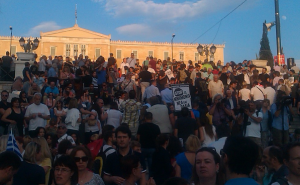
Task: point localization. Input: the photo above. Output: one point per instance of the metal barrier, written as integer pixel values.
(6, 74)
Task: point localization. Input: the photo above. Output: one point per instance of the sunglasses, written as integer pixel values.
(4, 95)
(83, 159)
(61, 127)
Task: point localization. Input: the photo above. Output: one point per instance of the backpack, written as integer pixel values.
(182, 76)
(203, 85)
(95, 147)
(99, 160)
(282, 181)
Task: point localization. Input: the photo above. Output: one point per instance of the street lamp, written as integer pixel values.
(30, 45)
(10, 39)
(173, 35)
(206, 50)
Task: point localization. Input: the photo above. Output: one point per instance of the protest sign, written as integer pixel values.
(169, 73)
(181, 96)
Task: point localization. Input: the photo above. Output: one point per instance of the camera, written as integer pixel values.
(284, 101)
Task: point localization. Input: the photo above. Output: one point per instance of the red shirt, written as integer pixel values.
(152, 64)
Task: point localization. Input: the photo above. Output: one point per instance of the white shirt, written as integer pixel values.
(218, 145)
(247, 79)
(93, 128)
(42, 65)
(296, 69)
(66, 137)
(244, 94)
(257, 94)
(71, 119)
(270, 92)
(122, 67)
(253, 130)
(207, 138)
(151, 91)
(131, 62)
(37, 121)
(277, 68)
(114, 117)
(215, 87)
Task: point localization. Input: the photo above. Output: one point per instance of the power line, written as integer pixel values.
(219, 21)
(216, 32)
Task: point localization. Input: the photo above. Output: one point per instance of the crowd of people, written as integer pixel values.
(93, 122)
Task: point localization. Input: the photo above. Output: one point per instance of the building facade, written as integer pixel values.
(70, 42)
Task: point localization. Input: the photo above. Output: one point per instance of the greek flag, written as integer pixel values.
(12, 145)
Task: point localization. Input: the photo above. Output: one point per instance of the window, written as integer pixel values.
(135, 53)
(197, 57)
(76, 50)
(13, 50)
(97, 52)
(119, 54)
(83, 50)
(150, 53)
(166, 55)
(52, 50)
(181, 56)
(68, 50)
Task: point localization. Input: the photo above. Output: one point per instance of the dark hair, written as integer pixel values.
(215, 155)
(123, 129)
(4, 91)
(174, 147)
(237, 149)
(176, 181)
(86, 151)
(185, 112)
(22, 92)
(276, 152)
(286, 150)
(132, 94)
(154, 100)
(107, 132)
(222, 130)
(13, 100)
(67, 161)
(63, 146)
(37, 131)
(114, 105)
(148, 116)
(161, 139)
(9, 159)
(128, 163)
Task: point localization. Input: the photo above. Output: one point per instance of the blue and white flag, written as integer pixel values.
(12, 145)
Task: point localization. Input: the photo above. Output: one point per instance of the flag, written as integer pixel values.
(12, 145)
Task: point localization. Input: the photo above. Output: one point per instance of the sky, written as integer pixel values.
(157, 20)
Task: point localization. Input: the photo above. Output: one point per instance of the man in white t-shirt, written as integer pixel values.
(270, 93)
(215, 87)
(122, 66)
(131, 61)
(253, 126)
(37, 114)
(257, 92)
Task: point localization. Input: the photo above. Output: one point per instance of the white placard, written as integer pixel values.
(169, 73)
(181, 96)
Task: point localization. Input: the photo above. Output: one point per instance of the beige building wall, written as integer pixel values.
(65, 40)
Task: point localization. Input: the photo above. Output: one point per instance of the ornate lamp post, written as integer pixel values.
(30, 45)
(10, 39)
(206, 50)
(173, 35)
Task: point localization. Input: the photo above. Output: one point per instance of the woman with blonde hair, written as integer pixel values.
(186, 160)
(30, 172)
(45, 157)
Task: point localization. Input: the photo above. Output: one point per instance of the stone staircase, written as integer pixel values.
(296, 122)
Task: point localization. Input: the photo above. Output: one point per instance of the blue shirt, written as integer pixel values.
(185, 166)
(51, 72)
(166, 95)
(50, 90)
(196, 113)
(277, 121)
(101, 76)
(264, 122)
(241, 181)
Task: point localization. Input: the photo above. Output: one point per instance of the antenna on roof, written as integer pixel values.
(76, 14)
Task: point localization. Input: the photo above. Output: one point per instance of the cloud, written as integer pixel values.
(133, 29)
(44, 27)
(166, 11)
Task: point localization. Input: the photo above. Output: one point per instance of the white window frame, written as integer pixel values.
(96, 52)
(164, 55)
(15, 49)
(83, 49)
(75, 52)
(54, 51)
(149, 53)
(137, 53)
(181, 52)
(68, 50)
(117, 54)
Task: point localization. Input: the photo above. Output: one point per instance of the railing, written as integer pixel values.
(6, 74)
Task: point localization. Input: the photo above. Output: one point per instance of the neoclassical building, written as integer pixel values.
(75, 40)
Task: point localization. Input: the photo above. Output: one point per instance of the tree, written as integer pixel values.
(265, 51)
